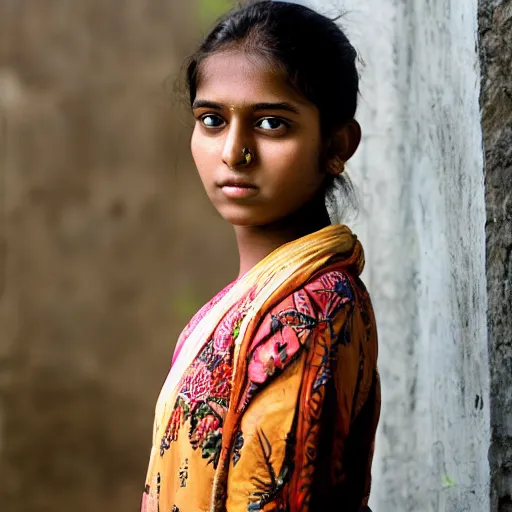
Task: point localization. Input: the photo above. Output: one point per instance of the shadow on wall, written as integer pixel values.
(104, 229)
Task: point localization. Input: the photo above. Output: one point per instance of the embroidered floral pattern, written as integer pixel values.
(205, 388)
(314, 323)
(204, 392)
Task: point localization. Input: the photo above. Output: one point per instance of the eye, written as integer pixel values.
(211, 121)
(273, 124)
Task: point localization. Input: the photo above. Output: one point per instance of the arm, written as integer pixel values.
(305, 382)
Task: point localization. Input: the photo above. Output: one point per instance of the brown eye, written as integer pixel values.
(212, 121)
(272, 124)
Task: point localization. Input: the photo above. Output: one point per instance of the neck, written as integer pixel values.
(257, 242)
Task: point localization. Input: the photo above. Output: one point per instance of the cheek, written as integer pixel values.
(203, 153)
(196, 146)
(295, 162)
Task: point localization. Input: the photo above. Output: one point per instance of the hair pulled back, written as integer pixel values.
(313, 51)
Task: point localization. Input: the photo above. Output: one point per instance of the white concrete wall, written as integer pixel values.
(420, 172)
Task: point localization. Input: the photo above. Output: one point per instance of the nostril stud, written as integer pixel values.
(247, 157)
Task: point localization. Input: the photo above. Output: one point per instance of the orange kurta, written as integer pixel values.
(278, 408)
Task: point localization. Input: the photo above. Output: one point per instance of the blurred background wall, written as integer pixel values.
(108, 243)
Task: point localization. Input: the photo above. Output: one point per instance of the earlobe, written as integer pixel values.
(335, 166)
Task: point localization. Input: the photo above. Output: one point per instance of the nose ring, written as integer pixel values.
(247, 157)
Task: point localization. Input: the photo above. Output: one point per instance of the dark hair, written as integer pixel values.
(312, 50)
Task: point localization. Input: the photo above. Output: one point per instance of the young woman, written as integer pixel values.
(273, 397)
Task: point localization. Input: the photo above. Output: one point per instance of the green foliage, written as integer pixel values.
(209, 10)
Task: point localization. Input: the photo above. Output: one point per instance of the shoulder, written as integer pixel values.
(330, 288)
(194, 321)
(298, 314)
(293, 322)
(339, 301)
(327, 293)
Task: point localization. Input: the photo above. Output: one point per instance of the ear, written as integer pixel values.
(349, 138)
(342, 145)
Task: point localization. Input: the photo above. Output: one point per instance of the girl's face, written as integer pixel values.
(241, 102)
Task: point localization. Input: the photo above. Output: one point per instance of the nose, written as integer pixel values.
(236, 141)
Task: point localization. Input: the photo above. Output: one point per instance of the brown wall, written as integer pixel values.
(108, 244)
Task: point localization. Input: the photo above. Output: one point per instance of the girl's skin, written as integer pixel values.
(243, 101)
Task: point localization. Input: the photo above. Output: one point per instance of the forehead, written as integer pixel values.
(236, 78)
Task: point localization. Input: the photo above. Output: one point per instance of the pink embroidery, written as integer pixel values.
(149, 503)
(205, 387)
(198, 317)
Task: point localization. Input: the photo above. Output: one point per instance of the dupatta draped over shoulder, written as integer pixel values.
(273, 398)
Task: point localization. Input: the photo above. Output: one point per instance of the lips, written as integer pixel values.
(236, 183)
(238, 189)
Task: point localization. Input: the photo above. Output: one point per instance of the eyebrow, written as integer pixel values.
(276, 106)
(283, 105)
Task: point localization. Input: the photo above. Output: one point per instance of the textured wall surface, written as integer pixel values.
(420, 172)
(103, 225)
(495, 20)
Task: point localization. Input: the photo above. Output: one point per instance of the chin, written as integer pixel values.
(247, 222)
(245, 217)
